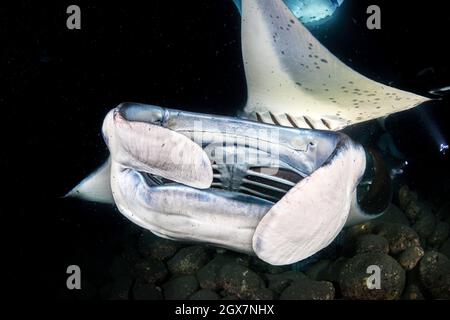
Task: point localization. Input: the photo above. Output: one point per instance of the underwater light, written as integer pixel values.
(443, 148)
(308, 11)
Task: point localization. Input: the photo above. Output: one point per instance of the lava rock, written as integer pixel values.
(405, 196)
(188, 260)
(412, 292)
(445, 248)
(180, 288)
(333, 271)
(424, 226)
(354, 275)
(205, 294)
(145, 291)
(399, 236)
(307, 289)
(409, 258)
(435, 274)
(208, 274)
(263, 267)
(413, 211)
(150, 271)
(151, 246)
(357, 230)
(239, 280)
(279, 282)
(440, 234)
(371, 243)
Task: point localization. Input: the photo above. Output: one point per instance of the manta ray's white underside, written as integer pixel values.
(293, 80)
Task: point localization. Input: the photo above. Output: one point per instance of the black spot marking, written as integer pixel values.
(324, 60)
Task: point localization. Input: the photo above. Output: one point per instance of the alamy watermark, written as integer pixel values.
(74, 279)
(374, 280)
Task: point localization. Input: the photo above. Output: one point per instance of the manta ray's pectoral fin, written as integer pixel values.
(311, 214)
(96, 187)
(291, 76)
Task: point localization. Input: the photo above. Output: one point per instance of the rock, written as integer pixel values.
(208, 274)
(413, 211)
(145, 291)
(371, 243)
(279, 282)
(317, 269)
(264, 294)
(440, 234)
(332, 272)
(263, 267)
(150, 271)
(151, 246)
(354, 275)
(409, 258)
(240, 281)
(405, 196)
(424, 226)
(399, 236)
(445, 248)
(412, 292)
(392, 215)
(357, 230)
(180, 288)
(205, 294)
(435, 274)
(188, 260)
(307, 289)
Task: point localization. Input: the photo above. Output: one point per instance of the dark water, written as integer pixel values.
(59, 84)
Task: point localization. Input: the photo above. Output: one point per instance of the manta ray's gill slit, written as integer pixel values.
(308, 122)
(291, 120)
(274, 119)
(258, 117)
(269, 183)
(326, 123)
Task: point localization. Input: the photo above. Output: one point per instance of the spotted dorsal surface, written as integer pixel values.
(293, 80)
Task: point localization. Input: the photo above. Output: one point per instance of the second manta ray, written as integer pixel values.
(279, 181)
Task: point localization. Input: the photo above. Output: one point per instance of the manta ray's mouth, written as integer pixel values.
(266, 183)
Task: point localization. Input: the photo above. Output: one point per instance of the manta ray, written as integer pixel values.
(287, 182)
